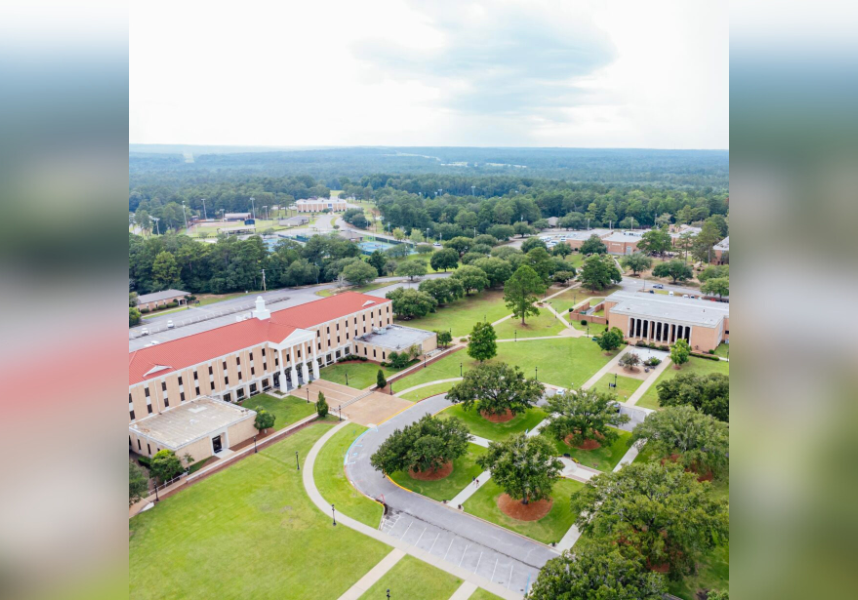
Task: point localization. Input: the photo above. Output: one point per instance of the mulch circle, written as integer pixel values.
(590, 444)
(499, 417)
(532, 511)
(707, 476)
(432, 475)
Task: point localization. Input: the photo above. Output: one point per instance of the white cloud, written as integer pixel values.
(394, 72)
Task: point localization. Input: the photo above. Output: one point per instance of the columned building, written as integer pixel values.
(282, 350)
(661, 319)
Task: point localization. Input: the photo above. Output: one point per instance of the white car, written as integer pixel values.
(144, 331)
(170, 324)
(437, 244)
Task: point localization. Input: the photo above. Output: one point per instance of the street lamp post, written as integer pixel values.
(334, 514)
(255, 449)
(347, 378)
(537, 373)
(297, 463)
(460, 369)
(308, 395)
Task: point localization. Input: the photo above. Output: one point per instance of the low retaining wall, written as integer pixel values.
(577, 315)
(414, 369)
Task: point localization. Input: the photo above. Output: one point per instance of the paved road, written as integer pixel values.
(501, 556)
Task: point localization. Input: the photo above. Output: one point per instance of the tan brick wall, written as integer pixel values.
(241, 432)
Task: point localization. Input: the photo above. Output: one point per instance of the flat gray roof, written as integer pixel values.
(724, 244)
(177, 427)
(687, 311)
(156, 296)
(397, 337)
(620, 236)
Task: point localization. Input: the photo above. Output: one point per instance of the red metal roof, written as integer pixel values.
(202, 347)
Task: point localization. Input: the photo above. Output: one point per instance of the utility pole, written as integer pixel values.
(185, 214)
(253, 207)
(205, 216)
(264, 289)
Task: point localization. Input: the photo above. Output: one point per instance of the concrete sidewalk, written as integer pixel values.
(376, 573)
(649, 382)
(472, 489)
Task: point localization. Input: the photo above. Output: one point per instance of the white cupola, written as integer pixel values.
(261, 312)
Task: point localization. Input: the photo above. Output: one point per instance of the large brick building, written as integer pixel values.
(314, 205)
(664, 319)
(282, 350)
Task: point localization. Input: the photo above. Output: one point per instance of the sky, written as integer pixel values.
(600, 73)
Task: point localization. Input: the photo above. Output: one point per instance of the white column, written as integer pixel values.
(315, 361)
(305, 372)
(294, 369)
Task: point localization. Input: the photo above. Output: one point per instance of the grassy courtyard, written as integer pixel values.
(723, 350)
(626, 386)
(330, 477)
(460, 316)
(496, 432)
(250, 527)
(570, 298)
(360, 374)
(545, 323)
(548, 529)
(465, 468)
(601, 459)
(700, 366)
(414, 579)
(286, 410)
(482, 594)
(563, 361)
(425, 392)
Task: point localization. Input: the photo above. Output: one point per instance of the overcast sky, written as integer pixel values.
(601, 73)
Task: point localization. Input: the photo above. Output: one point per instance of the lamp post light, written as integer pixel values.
(157, 498)
(347, 379)
(334, 514)
(340, 411)
(388, 594)
(460, 369)
(308, 395)
(255, 449)
(537, 373)
(297, 463)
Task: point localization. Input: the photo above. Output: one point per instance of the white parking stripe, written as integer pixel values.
(448, 548)
(463, 554)
(495, 569)
(478, 562)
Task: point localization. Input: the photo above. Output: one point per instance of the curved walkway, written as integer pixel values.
(437, 546)
(497, 554)
(423, 385)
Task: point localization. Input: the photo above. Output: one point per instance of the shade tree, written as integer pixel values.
(473, 279)
(422, 447)
(600, 272)
(496, 390)
(482, 343)
(521, 292)
(523, 466)
(636, 262)
(676, 269)
(411, 304)
(709, 393)
(444, 290)
(580, 416)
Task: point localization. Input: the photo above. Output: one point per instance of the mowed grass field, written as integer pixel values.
(360, 374)
(465, 468)
(548, 529)
(329, 473)
(460, 316)
(414, 579)
(544, 324)
(425, 392)
(626, 386)
(496, 432)
(562, 361)
(602, 459)
(252, 528)
(286, 410)
(700, 366)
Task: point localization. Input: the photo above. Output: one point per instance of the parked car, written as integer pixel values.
(658, 286)
(437, 244)
(672, 294)
(170, 324)
(683, 295)
(144, 331)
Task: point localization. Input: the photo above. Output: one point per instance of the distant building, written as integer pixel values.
(664, 319)
(622, 242)
(160, 299)
(721, 251)
(552, 221)
(676, 232)
(314, 205)
(352, 236)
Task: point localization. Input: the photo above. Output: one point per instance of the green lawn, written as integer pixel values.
(563, 361)
(602, 459)
(570, 298)
(541, 325)
(362, 289)
(626, 386)
(482, 594)
(333, 484)
(361, 374)
(250, 527)
(550, 528)
(594, 328)
(460, 316)
(287, 410)
(700, 366)
(414, 579)
(723, 350)
(425, 392)
(465, 468)
(495, 431)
